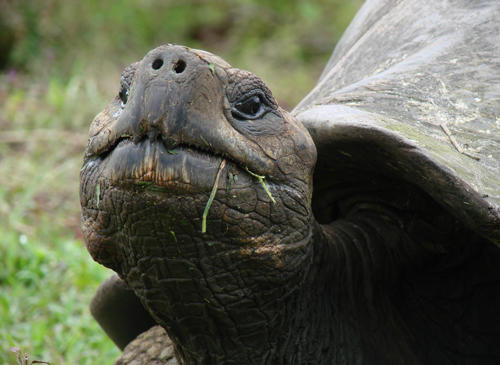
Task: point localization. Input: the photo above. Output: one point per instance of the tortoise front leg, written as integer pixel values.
(119, 312)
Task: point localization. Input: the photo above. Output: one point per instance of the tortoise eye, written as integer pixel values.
(123, 95)
(249, 108)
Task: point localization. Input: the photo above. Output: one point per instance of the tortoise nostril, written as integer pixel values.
(179, 66)
(157, 64)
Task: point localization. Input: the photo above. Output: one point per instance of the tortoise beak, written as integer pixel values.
(177, 98)
(166, 81)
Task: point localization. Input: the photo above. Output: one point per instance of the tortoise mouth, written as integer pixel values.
(148, 163)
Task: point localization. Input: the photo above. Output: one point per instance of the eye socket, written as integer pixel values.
(123, 94)
(249, 108)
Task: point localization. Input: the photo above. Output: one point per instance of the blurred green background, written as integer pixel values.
(60, 63)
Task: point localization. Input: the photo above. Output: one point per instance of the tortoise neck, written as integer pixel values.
(272, 329)
(366, 252)
(282, 335)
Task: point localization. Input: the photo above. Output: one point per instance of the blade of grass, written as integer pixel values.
(211, 198)
(261, 180)
(173, 235)
(211, 66)
(205, 141)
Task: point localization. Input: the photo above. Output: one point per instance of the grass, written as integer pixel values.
(46, 277)
(211, 198)
(51, 324)
(261, 181)
(64, 67)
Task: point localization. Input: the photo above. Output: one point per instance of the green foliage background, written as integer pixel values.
(60, 63)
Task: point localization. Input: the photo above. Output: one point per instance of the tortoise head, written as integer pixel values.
(185, 124)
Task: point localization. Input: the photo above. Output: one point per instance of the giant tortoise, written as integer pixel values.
(361, 228)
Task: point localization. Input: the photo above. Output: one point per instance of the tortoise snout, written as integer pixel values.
(170, 59)
(166, 82)
(171, 63)
(177, 66)
(175, 92)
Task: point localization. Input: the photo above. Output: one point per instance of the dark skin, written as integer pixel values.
(266, 282)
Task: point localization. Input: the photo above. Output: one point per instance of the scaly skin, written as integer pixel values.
(149, 169)
(267, 284)
(152, 347)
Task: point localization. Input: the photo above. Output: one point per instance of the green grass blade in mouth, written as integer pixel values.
(211, 198)
(261, 180)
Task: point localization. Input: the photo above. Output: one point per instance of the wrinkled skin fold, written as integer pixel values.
(149, 167)
(267, 283)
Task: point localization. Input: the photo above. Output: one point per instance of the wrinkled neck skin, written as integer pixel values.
(307, 294)
(249, 290)
(395, 262)
(265, 285)
(244, 292)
